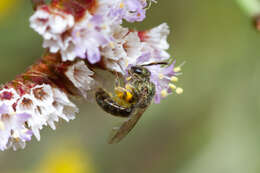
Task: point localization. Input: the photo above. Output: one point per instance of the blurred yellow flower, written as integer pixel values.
(66, 160)
(6, 5)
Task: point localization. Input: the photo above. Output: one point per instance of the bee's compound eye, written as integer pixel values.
(137, 70)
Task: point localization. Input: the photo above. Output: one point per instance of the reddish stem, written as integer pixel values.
(47, 70)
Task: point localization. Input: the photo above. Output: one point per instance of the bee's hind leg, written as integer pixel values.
(124, 94)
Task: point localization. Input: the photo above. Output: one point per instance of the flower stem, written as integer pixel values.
(47, 70)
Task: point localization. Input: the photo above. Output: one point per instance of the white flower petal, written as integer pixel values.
(81, 77)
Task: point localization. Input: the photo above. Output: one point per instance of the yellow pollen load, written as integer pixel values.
(177, 69)
(122, 5)
(174, 79)
(119, 94)
(172, 86)
(2, 125)
(164, 93)
(129, 96)
(179, 90)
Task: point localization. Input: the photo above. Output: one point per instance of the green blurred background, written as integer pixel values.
(212, 127)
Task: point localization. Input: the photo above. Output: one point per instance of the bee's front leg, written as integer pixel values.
(109, 105)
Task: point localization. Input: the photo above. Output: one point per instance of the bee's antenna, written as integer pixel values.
(155, 63)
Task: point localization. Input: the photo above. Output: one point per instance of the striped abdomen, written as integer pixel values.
(105, 101)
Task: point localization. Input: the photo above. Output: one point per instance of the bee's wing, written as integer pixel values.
(126, 127)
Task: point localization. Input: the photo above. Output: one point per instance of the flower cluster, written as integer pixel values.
(81, 36)
(25, 113)
(13, 131)
(97, 35)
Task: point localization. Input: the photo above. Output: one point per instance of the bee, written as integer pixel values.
(129, 101)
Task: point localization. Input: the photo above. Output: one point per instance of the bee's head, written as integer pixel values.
(143, 72)
(140, 71)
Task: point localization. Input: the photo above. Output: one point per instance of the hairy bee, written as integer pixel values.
(130, 101)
